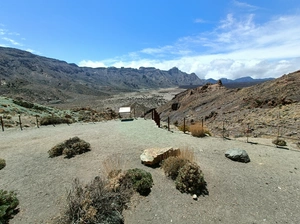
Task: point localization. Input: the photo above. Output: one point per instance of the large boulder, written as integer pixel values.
(153, 156)
(238, 155)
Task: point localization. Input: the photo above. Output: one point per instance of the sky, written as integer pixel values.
(212, 38)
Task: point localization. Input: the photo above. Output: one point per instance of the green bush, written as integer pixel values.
(8, 205)
(279, 142)
(70, 148)
(171, 166)
(55, 120)
(23, 103)
(141, 180)
(190, 179)
(2, 163)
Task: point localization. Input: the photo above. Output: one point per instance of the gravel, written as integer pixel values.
(266, 190)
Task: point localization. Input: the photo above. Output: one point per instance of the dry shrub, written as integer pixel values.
(172, 165)
(197, 130)
(186, 173)
(190, 179)
(103, 202)
(94, 203)
(70, 148)
(2, 163)
(187, 154)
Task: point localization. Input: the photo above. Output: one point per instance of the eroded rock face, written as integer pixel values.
(153, 156)
(238, 155)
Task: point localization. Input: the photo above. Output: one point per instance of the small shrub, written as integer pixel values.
(141, 180)
(54, 120)
(198, 131)
(190, 179)
(8, 205)
(94, 203)
(279, 142)
(172, 165)
(2, 163)
(23, 103)
(70, 148)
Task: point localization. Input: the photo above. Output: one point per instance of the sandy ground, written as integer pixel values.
(266, 190)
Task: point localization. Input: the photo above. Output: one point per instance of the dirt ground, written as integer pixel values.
(266, 190)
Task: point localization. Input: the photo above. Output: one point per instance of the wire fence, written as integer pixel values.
(226, 129)
(249, 132)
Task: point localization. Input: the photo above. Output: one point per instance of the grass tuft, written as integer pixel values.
(197, 130)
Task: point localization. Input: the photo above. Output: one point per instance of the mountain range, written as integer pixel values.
(41, 79)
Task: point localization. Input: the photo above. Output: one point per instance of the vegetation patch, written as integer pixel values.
(279, 142)
(55, 120)
(190, 179)
(141, 180)
(103, 200)
(187, 174)
(2, 163)
(8, 205)
(94, 203)
(70, 148)
(172, 165)
(197, 130)
(23, 103)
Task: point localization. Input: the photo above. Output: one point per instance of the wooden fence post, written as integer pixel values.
(248, 131)
(37, 121)
(20, 122)
(2, 123)
(184, 125)
(223, 130)
(278, 133)
(168, 123)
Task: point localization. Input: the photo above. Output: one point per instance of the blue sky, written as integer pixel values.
(214, 39)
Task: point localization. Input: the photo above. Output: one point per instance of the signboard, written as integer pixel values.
(124, 110)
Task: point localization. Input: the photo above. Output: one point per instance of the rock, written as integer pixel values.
(153, 156)
(195, 197)
(238, 155)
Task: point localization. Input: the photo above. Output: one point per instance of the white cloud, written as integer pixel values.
(245, 5)
(237, 47)
(92, 64)
(199, 20)
(13, 42)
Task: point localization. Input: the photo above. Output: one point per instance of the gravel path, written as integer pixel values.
(266, 190)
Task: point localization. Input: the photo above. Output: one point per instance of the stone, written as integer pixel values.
(238, 155)
(195, 197)
(153, 156)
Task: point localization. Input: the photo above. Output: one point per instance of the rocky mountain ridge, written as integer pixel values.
(40, 79)
(272, 103)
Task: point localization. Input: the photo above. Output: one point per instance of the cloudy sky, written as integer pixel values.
(214, 39)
